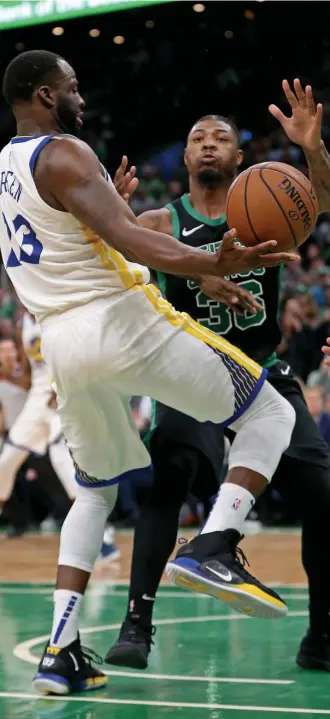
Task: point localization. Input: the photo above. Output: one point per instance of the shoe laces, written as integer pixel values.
(135, 633)
(90, 656)
(241, 558)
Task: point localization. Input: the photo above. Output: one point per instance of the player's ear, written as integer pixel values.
(185, 156)
(239, 158)
(46, 96)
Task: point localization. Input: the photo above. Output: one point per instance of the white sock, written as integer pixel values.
(230, 509)
(66, 612)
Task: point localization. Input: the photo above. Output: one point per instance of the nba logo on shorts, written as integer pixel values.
(132, 605)
(236, 504)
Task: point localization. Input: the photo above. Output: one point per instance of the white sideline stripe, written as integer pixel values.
(188, 678)
(178, 705)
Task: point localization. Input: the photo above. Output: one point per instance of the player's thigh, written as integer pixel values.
(100, 433)
(186, 374)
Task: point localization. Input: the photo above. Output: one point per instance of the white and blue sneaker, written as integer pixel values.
(109, 550)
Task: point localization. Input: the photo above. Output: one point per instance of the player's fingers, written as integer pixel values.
(132, 186)
(310, 104)
(278, 114)
(300, 95)
(263, 248)
(237, 308)
(228, 241)
(319, 115)
(279, 258)
(120, 172)
(248, 301)
(326, 348)
(290, 96)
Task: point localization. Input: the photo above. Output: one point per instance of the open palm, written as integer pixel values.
(304, 125)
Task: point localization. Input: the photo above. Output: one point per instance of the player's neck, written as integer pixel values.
(31, 126)
(209, 202)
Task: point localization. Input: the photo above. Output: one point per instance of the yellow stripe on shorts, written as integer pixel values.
(246, 375)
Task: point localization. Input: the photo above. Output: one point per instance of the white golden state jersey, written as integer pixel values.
(53, 261)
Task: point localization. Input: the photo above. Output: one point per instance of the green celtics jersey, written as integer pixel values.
(257, 335)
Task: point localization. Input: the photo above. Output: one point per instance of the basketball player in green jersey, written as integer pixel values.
(186, 454)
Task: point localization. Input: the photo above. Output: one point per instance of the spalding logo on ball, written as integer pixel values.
(272, 201)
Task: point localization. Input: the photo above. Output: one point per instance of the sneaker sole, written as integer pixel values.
(125, 655)
(251, 605)
(51, 685)
(54, 684)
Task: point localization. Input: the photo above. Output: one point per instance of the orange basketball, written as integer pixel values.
(272, 201)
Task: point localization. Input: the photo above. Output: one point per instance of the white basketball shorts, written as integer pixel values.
(135, 343)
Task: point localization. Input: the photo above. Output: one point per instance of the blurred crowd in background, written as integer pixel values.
(172, 65)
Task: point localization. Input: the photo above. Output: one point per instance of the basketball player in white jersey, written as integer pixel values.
(78, 261)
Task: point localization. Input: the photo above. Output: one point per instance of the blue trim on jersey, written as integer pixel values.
(14, 140)
(114, 480)
(36, 151)
(246, 404)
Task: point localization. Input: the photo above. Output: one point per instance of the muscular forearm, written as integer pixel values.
(162, 252)
(319, 171)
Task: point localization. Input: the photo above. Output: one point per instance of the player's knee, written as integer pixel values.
(279, 418)
(286, 414)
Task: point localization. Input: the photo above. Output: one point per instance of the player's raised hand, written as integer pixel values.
(304, 125)
(238, 299)
(234, 259)
(326, 352)
(125, 181)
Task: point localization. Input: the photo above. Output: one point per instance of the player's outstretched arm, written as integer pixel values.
(72, 176)
(304, 128)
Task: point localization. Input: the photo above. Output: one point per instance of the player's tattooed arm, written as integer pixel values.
(68, 177)
(157, 220)
(319, 172)
(304, 129)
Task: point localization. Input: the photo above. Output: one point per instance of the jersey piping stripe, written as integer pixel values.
(37, 150)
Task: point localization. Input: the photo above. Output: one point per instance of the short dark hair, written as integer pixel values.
(221, 118)
(26, 71)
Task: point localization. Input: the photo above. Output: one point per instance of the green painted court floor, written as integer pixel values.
(207, 661)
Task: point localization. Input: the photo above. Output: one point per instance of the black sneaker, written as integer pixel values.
(314, 652)
(212, 564)
(132, 647)
(68, 670)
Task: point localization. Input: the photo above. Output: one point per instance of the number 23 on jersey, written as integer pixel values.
(25, 245)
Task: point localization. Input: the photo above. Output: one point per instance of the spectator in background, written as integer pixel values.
(320, 378)
(6, 329)
(304, 332)
(315, 402)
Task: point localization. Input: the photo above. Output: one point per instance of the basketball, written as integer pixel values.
(272, 201)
